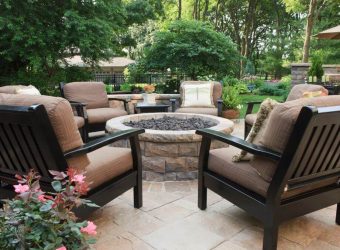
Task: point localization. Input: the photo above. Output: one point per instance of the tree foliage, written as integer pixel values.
(35, 35)
(194, 48)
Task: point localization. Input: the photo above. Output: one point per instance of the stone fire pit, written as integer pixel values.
(169, 155)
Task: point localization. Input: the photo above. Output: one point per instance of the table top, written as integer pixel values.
(154, 105)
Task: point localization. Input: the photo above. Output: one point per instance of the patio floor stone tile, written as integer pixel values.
(183, 235)
(171, 212)
(319, 244)
(252, 237)
(302, 230)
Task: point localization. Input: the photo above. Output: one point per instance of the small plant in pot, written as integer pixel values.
(149, 96)
(35, 219)
(231, 102)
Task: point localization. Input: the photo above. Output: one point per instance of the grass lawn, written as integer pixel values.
(255, 98)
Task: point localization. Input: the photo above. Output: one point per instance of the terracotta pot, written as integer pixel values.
(231, 114)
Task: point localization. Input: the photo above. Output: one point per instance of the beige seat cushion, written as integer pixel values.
(79, 121)
(298, 90)
(93, 94)
(105, 163)
(204, 111)
(217, 89)
(250, 119)
(242, 173)
(220, 162)
(101, 115)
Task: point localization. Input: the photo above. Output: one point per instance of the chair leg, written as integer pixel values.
(337, 218)
(271, 234)
(137, 196)
(202, 195)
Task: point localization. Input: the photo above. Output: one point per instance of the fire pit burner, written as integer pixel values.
(172, 123)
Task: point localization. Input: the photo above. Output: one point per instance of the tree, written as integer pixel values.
(193, 48)
(35, 36)
(309, 27)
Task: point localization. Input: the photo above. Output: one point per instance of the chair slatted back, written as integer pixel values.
(316, 157)
(27, 141)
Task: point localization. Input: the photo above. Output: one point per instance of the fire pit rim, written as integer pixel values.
(116, 124)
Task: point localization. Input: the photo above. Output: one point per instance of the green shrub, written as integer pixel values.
(125, 87)
(258, 83)
(170, 86)
(271, 90)
(316, 67)
(242, 88)
(231, 98)
(230, 81)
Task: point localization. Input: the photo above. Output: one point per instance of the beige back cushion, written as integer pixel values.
(284, 116)
(280, 126)
(217, 89)
(60, 114)
(298, 90)
(10, 89)
(93, 94)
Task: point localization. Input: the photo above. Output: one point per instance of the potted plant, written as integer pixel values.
(39, 220)
(149, 96)
(231, 102)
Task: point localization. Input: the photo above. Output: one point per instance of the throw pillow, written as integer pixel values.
(310, 94)
(258, 127)
(27, 90)
(198, 95)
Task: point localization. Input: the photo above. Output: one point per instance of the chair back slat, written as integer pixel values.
(27, 141)
(317, 154)
(330, 131)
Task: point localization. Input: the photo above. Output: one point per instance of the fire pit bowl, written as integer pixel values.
(169, 155)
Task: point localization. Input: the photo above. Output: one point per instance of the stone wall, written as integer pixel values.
(299, 71)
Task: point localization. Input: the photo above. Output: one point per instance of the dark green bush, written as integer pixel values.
(170, 86)
(230, 81)
(271, 90)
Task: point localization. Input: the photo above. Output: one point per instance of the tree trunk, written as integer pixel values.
(309, 27)
(206, 7)
(248, 30)
(179, 9)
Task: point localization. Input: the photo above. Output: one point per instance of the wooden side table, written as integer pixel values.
(151, 108)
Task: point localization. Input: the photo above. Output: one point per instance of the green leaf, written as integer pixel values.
(46, 207)
(56, 186)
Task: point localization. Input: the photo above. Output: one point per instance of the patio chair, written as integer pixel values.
(216, 95)
(38, 132)
(77, 107)
(93, 96)
(295, 93)
(295, 171)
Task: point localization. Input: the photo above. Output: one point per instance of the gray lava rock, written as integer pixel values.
(171, 123)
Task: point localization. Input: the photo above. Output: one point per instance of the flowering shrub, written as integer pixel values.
(38, 220)
(149, 88)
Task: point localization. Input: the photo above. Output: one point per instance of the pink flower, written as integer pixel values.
(41, 198)
(21, 188)
(79, 178)
(61, 248)
(89, 229)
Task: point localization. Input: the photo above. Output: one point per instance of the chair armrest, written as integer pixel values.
(240, 143)
(103, 141)
(250, 106)
(121, 100)
(80, 108)
(219, 107)
(173, 105)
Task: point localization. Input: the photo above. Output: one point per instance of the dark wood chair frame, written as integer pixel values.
(27, 141)
(83, 113)
(219, 106)
(311, 155)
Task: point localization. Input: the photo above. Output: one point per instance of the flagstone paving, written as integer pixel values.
(170, 219)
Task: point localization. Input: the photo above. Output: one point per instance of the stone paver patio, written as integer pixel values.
(170, 219)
